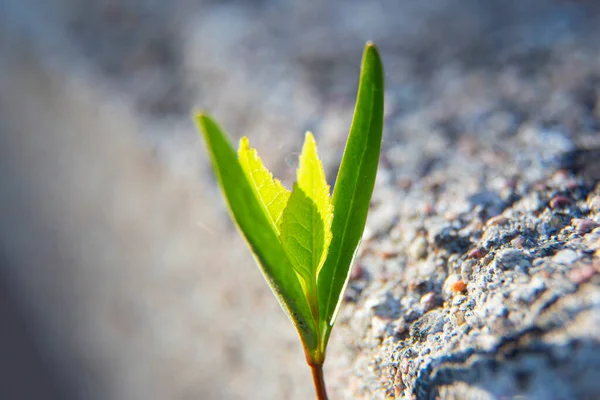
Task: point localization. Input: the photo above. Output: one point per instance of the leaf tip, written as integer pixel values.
(244, 144)
(200, 118)
(199, 115)
(371, 48)
(309, 138)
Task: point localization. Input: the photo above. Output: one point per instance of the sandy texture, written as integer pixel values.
(479, 272)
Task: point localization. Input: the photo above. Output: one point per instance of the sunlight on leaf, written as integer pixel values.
(254, 224)
(305, 241)
(306, 223)
(272, 194)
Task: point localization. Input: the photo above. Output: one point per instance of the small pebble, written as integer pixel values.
(518, 242)
(357, 273)
(459, 286)
(448, 284)
(583, 226)
(565, 257)
(497, 220)
(561, 174)
(399, 327)
(418, 248)
(450, 215)
(477, 253)
(427, 269)
(430, 301)
(582, 274)
(594, 203)
(559, 201)
(428, 209)
(387, 254)
(486, 260)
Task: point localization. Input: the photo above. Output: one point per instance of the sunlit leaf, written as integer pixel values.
(305, 241)
(306, 222)
(256, 227)
(271, 193)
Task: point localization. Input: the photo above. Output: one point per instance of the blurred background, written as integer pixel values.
(122, 276)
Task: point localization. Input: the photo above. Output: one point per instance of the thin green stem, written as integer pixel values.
(317, 358)
(317, 373)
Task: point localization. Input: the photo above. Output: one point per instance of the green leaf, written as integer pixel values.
(353, 189)
(306, 222)
(271, 193)
(255, 224)
(304, 241)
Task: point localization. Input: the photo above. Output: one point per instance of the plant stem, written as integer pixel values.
(317, 373)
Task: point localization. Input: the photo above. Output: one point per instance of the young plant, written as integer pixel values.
(304, 241)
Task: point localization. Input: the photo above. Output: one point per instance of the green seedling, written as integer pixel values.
(304, 241)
